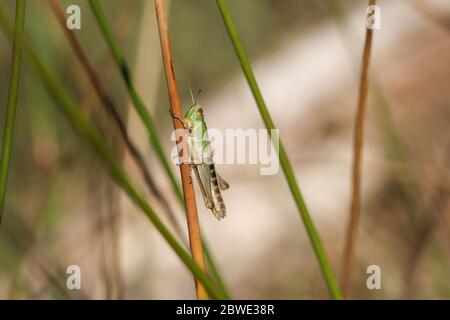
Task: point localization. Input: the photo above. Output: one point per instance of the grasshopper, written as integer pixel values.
(201, 158)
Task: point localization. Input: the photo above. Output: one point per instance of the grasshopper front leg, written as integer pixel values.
(177, 118)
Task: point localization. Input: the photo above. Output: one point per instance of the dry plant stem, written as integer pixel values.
(11, 107)
(357, 161)
(188, 190)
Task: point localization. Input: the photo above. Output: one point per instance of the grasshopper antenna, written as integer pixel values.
(198, 94)
(192, 95)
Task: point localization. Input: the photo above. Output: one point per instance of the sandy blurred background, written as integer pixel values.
(63, 209)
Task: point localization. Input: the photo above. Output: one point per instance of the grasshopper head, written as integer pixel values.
(193, 115)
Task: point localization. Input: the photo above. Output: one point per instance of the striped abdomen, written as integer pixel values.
(218, 204)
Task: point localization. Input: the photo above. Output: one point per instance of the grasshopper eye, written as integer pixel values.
(200, 112)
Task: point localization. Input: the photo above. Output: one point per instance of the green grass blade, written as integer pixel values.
(11, 107)
(313, 235)
(87, 131)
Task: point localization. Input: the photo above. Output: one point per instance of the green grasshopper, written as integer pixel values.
(201, 159)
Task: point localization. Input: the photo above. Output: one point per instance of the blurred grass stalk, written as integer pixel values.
(147, 119)
(313, 235)
(396, 152)
(10, 119)
(195, 239)
(395, 148)
(355, 206)
(86, 130)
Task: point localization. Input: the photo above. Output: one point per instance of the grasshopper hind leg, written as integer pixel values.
(223, 185)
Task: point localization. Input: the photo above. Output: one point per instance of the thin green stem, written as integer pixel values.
(87, 131)
(149, 123)
(10, 119)
(313, 235)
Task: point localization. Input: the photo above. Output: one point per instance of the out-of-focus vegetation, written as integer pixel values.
(62, 207)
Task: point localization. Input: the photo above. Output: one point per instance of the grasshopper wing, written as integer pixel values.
(202, 179)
